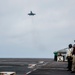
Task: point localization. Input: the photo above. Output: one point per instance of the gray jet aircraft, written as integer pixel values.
(31, 13)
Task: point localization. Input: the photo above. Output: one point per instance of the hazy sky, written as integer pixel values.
(51, 29)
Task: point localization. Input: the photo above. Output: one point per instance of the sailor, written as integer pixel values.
(73, 60)
(69, 57)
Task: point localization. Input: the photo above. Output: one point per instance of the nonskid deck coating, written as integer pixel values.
(20, 66)
(54, 68)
